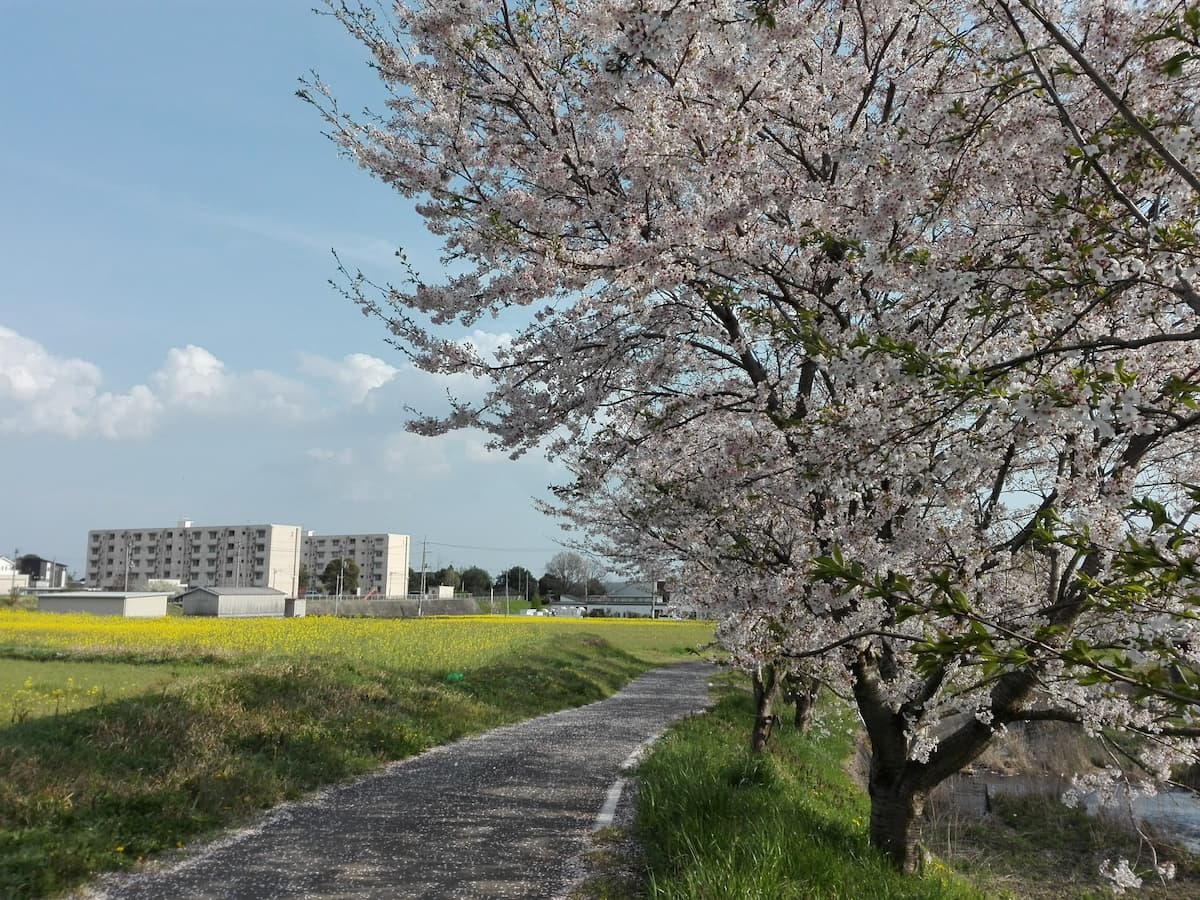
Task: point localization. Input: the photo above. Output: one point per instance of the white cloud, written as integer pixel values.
(194, 380)
(40, 392)
(132, 415)
(487, 343)
(355, 376)
(44, 393)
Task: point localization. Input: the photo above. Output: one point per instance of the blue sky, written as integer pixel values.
(169, 344)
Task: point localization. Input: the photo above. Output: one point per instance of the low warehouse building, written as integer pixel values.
(234, 602)
(131, 604)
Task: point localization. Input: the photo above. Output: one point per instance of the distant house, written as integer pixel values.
(10, 577)
(43, 573)
(635, 598)
(234, 602)
(129, 604)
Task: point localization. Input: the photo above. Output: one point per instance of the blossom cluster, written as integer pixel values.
(874, 325)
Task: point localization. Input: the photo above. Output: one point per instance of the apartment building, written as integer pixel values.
(382, 559)
(197, 555)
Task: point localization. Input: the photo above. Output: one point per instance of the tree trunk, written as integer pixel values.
(802, 692)
(895, 824)
(766, 686)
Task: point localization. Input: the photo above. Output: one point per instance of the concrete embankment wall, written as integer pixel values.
(404, 609)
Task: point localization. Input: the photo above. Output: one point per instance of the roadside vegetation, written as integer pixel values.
(716, 821)
(166, 730)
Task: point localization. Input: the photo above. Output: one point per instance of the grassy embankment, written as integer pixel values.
(716, 823)
(122, 738)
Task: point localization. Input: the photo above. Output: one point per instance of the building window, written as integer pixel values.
(262, 532)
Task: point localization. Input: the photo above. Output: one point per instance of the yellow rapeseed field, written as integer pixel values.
(450, 643)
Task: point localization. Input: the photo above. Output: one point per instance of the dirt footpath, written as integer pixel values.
(500, 815)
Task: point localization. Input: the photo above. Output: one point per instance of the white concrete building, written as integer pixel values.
(131, 604)
(11, 579)
(382, 560)
(211, 555)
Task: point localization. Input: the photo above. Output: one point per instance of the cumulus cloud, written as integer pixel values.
(193, 379)
(355, 375)
(44, 393)
(40, 392)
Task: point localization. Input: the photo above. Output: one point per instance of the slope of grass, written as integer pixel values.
(102, 787)
(716, 822)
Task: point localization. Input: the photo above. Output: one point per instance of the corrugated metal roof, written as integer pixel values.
(92, 595)
(631, 590)
(226, 591)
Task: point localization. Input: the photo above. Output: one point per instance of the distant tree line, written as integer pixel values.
(566, 573)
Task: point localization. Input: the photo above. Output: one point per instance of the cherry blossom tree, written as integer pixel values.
(883, 309)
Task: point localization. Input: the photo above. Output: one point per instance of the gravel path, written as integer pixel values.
(500, 815)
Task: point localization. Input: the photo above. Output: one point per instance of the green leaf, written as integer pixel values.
(1174, 66)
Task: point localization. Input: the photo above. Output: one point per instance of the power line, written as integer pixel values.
(497, 549)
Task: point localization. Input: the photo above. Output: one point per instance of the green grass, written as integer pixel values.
(33, 688)
(716, 822)
(104, 786)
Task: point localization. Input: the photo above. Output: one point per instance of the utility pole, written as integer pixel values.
(127, 563)
(421, 596)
